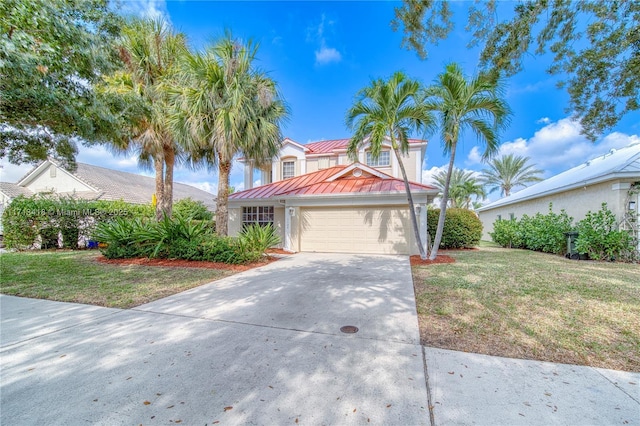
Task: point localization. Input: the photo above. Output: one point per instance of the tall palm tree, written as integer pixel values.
(150, 52)
(388, 109)
(225, 107)
(462, 104)
(462, 187)
(508, 172)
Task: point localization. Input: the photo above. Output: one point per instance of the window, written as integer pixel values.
(262, 215)
(288, 169)
(512, 216)
(383, 159)
(499, 217)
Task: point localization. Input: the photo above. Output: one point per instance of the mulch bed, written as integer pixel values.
(179, 263)
(441, 258)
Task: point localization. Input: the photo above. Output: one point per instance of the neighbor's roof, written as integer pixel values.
(12, 190)
(621, 163)
(332, 181)
(115, 185)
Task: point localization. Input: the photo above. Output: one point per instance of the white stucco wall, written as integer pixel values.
(576, 203)
(61, 182)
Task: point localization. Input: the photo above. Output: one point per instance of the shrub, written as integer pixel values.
(188, 208)
(505, 233)
(259, 238)
(599, 237)
(539, 232)
(462, 228)
(120, 235)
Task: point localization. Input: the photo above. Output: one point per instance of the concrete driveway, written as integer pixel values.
(260, 347)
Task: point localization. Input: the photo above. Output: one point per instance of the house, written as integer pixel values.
(94, 183)
(613, 178)
(318, 200)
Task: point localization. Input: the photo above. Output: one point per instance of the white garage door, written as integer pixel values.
(356, 230)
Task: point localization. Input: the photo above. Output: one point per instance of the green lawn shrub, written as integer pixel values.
(600, 239)
(545, 233)
(505, 233)
(462, 228)
(188, 208)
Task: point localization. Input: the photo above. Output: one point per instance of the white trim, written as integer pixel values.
(29, 178)
(360, 166)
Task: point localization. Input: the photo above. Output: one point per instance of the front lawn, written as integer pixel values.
(524, 304)
(76, 276)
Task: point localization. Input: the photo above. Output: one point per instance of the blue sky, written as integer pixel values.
(322, 53)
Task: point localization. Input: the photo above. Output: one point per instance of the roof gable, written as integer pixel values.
(333, 181)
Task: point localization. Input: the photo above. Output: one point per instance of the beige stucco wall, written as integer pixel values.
(576, 203)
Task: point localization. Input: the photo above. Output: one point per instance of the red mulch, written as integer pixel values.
(441, 258)
(278, 251)
(179, 263)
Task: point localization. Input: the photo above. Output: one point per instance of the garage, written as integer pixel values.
(363, 229)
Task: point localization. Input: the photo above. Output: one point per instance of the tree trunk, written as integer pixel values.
(158, 160)
(222, 210)
(412, 212)
(169, 160)
(443, 206)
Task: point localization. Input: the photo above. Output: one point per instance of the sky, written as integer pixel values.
(322, 53)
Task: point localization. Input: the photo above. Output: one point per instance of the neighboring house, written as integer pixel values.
(613, 178)
(94, 183)
(320, 201)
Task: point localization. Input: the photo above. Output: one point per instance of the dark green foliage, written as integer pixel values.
(188, 208)
(177, 238)
(599, 237)
(505, 233)
(52, 52)
(545, 233)
(258, 238)
(27, 217)
(462, 228)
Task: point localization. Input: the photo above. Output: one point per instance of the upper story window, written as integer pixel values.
(383, 160)
(288, 169)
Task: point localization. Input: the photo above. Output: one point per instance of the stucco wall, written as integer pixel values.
(62, 182)
(576, 203)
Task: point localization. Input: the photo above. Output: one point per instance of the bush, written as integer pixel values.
(599, 237)
(545, 233)
(259, 238)
(462, 228)
(188, 208)
(27, 217)
(505, 233)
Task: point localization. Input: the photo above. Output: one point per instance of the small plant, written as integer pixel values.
(505, 233)
(258, 238)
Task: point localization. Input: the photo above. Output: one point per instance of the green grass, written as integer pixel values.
(76, 276)
(532, 305)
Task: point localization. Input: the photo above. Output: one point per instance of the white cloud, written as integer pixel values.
(153, 9)
(544, 120)
(326, 55)
(559, 146)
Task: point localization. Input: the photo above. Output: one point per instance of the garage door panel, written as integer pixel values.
(356, 230)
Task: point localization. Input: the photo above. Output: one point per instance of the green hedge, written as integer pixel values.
(462, 228)
(48, 216)
(598, 236)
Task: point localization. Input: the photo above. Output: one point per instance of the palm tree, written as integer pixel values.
(508, 172)
(475, 104)
(388, 109)
(150, 51)
(225, 107)
(462, 187)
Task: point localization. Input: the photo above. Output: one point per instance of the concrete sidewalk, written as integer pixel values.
(261, 347)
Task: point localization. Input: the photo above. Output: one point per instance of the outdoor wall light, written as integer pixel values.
(292, 211)
(632, 205)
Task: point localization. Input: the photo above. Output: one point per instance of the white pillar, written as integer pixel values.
(287, 228)
(248, 174)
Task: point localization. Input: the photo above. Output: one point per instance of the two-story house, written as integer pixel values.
(320, 200)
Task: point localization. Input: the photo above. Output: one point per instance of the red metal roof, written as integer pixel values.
(327, 147)
(320, 183)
